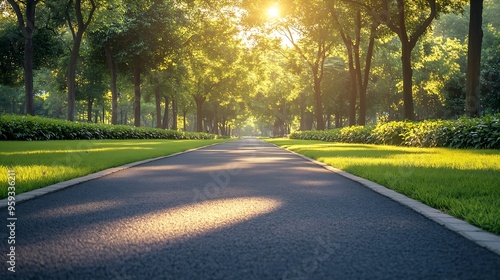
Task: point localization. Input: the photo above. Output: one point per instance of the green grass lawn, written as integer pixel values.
(462, 183)
(42, 163)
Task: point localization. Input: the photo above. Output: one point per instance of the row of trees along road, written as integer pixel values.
(249, 66)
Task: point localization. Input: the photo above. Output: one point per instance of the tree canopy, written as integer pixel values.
(257, 67)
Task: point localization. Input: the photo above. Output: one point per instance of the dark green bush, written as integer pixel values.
(427, 134)
(356, 134)
(13, 127)
(462, 133)
(391, 133)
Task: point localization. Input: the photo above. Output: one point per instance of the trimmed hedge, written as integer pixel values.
(479, 133)
(14, 127)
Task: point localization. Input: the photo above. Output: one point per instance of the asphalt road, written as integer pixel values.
(239, 210)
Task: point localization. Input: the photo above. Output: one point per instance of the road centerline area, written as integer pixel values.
(242, 209)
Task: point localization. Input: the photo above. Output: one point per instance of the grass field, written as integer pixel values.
(462, 183)
(42, 163)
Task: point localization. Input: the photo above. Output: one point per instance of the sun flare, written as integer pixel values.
(273, 12)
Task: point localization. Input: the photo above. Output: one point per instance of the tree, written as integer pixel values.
(149, 35)
(103, 49)
(113, 73)
(26, 22)
(456, 26)
(308, 28)
(472, 97)
(77, 29)
(396, 20)
(437, 60)
(103, 41)
(490, 59)
(386, 75)
(212, 52)
(359, 77)
(409, 20)
(336, 87)
(164, 87)
(312, 24)
(11, 56)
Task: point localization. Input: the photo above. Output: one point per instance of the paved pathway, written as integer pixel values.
(239, 210)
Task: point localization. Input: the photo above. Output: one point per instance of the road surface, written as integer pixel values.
(238, 210)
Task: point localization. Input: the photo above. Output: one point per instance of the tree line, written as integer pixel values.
(231, 66)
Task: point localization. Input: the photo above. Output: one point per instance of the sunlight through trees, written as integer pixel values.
(236, 67)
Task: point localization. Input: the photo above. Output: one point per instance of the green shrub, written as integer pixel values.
(475, 133)
(13, 127)
(391, 133)
(462, 133)
(356, 134)
(427, 134)
(309, 135)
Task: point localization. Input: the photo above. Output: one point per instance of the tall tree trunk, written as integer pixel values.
(158, 107)
(199, 100)
(90, 102)
(137, 94)
(408, 42)
(364, 85)
(114, 91)
(28, 75)
(353, 90)
(472, 104)
(73, 60)
(357, 57)
(338, 118)
(320, 124)
(184, 113)
(407, 82)
(28, 57)
(174, 113)
(27, 25)
(215, 123)
(353, 95)
(352, 49)
(77, 33)
(302, 98)
(165, 113)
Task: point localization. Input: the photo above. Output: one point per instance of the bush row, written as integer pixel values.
(462, 133)
(13, 127)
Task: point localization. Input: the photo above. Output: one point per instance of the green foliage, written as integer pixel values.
(478, 133)
(13, 127)
(474, 133)
(351, 134)
(47, 48)
(391, 133)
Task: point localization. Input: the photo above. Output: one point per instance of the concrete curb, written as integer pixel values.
(477, 235)
(62, 185)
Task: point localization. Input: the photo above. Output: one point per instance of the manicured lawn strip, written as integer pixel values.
(42, 163)
(462, 183)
